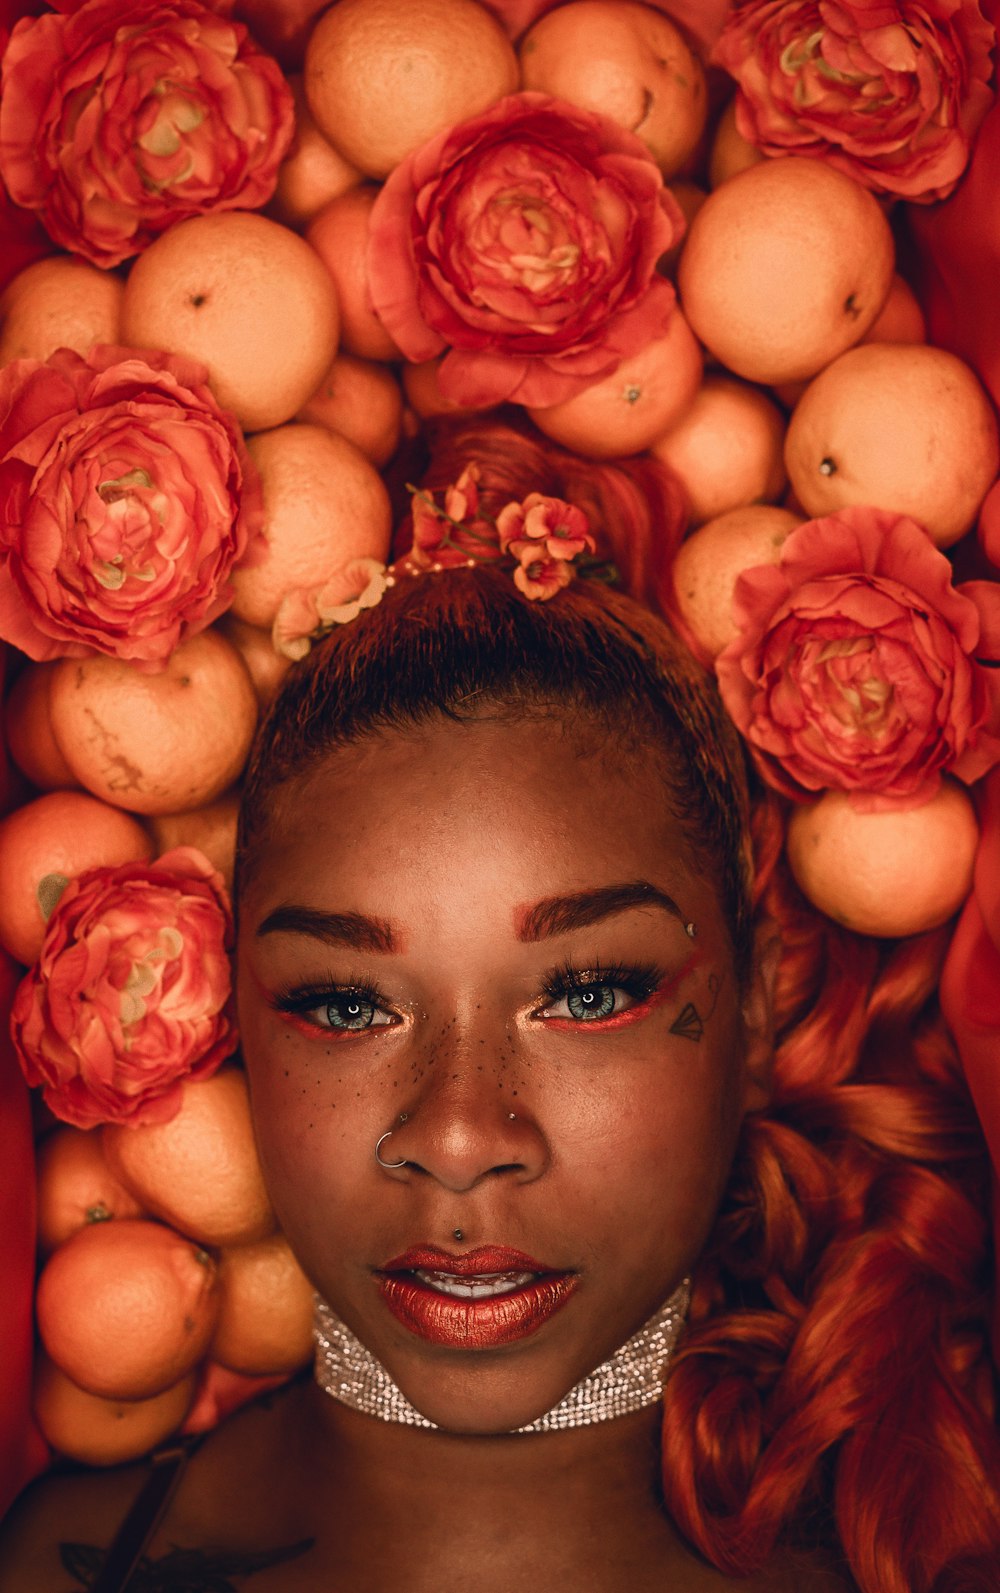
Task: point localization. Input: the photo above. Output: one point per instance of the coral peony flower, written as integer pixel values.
(524, 242)
(891, 96)
(117, 121)
(856, 664)
(305, 614)
(128, 497)
(131, 991)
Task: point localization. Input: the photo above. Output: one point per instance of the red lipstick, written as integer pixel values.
(488, 1297)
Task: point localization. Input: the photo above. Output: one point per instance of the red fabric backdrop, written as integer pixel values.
(957, 258)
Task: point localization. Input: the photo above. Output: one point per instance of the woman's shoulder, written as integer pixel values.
(57, 1533)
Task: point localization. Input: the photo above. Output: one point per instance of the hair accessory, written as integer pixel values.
(378, 1158)
(628, 1380)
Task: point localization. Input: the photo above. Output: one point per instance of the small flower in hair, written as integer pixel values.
(544, 535)
(308, 614)
(455, 535)
(560, 528)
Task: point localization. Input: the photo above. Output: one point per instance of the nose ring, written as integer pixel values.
(378, 1157)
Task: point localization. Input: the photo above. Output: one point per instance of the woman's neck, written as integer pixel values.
(486, 1509)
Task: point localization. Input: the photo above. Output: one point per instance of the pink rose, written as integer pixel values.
(126, 498)
(524, 242)
(856, 665)
(891, 96)
(117, 121)
(131, 991)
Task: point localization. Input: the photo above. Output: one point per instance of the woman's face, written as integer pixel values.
(482, 926)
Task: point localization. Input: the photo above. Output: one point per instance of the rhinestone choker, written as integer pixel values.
(628, 1380)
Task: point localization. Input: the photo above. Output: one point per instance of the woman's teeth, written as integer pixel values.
(481, 1287)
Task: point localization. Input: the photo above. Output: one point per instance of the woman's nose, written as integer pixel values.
(460, 1135)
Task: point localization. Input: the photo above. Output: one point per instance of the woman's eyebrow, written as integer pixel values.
(557, 914)
(355, 930)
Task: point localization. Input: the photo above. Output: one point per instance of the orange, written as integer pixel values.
(265, 1320)
(900, 320)
(709, 561)
(626, 411)
(909, 869)
(161, 743)
(127, 1308)
(424, 396)
(312, 173)
(624, 61)
(726, 448)
(731, 152)
(324, 503)
(339, 235)
(199, 1172)
(899, 426)
(76, 1186)
(266, 665)
(46, 842)
(104, 1432)
(246, 297)
(212, 829)
(383, 76)
(787, 264)
(362, 402)
(60, 302)
(28, 730)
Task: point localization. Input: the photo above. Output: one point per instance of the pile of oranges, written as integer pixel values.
(159, 1252)
(161, 1264)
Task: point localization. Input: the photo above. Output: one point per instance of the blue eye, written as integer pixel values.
(349, 1011)
(592, 1001)
(340, 1009)
(596, 994)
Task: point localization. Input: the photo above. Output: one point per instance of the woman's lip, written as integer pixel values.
(476, 1324)
(485, 1259)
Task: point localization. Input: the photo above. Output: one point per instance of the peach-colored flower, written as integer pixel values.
(891, 95)
(305, 614)
(461, 501)
(540, 522)
(857, 663)
(131, 993)
(525, 243)
(118, 120)
(455, 535)
(128, 498)
(538, 575)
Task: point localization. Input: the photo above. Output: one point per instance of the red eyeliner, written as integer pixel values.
(642, 1009)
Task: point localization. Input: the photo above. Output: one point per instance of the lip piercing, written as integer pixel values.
(456, 1233)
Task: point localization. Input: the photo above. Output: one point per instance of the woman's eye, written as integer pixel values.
(588, 1003)
(348, 1010)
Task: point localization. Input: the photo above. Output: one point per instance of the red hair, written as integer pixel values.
(836, 1370)
(834, 1381)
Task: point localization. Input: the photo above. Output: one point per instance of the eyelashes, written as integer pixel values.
(599, 996)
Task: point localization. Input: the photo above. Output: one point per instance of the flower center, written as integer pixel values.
(537, 249)
(145, 974)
